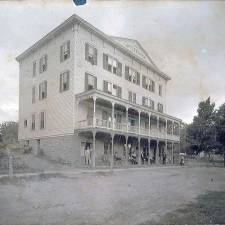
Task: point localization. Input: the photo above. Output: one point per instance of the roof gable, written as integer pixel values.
(135, 47)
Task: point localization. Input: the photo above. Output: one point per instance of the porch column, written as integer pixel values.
(113, 120)
(112, 152)
(166, 150)
(157, 152)
(126, 137)
(149, 124)
(94, 113)
(172, 153)
(157, 126)
(172, 127)
(139, 122)
(77, 114)
(149, 150)
(139, 151)
(93, 151)
(127, 118)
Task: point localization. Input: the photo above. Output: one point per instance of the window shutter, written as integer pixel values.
(126, 72)
(34, 68)
(45, 88)
(105, 59)
(95, 56)
(86, 82)
(105, 86)
(40, 70)
(138, 78)
(95, 87)
(153, 86)
(143, 81)
(68, 80)
(68, 47)
(119, 68)
(153, 105)
(130, 96)
(134, 97)
(39, 91)
(46, 62)
(86, 51)
(61, 53)
(119, 91)
(60, 83)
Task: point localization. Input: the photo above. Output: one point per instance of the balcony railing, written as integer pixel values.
(161, 133)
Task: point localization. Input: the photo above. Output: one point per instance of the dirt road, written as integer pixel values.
(125, 197)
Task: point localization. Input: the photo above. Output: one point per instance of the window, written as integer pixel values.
(43, 64)
(160, 107)
(25, 123)
(33, 122)
(42, 120)
(43, 90)
(64, 81)
(112, 65)
(90, 82)
(132, 96)
(34, 68)
(132, 75)
(148, 102)
(91, 54)
(160, 90)
(65, 51)
(33, 94)
(148, 83)
(112, 89)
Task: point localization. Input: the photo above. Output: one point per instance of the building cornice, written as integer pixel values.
(76, 19)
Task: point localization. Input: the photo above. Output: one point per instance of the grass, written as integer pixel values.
(208, 209)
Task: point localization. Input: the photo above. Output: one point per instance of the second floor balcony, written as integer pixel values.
(96, 109)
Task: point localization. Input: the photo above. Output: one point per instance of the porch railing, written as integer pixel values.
(103, 123)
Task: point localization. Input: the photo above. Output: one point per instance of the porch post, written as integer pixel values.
(157, 126)
(139, 122)
(172, 127)
(139, 151)
(94, 113)
(166, 150)
(126, 137)
(113, 115)
(172, 153)
(93, 151)
(157, 152)
(127, 118)
(149, 150)
(112, 152)
(149, 124)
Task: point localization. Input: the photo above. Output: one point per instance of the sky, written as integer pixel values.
(185, 39)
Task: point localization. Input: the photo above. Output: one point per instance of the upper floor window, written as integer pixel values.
(65, 51)
(90, 82)
(64, 84)
(91, 54)
(160, 90)
(132, 96)
(148, 102)
(112, 89)
(148, 83)
(33, 122)
(160, 107)
(33, 94)
(132, 75)
(42, 120)
(34, 68)
(25, 123)
(43, 63)
(43, 90)
(112, 65)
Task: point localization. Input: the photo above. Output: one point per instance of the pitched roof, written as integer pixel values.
(114, 41)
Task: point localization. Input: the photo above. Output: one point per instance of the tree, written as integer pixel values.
(202, 130)
(220, 128)
(9, 132)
